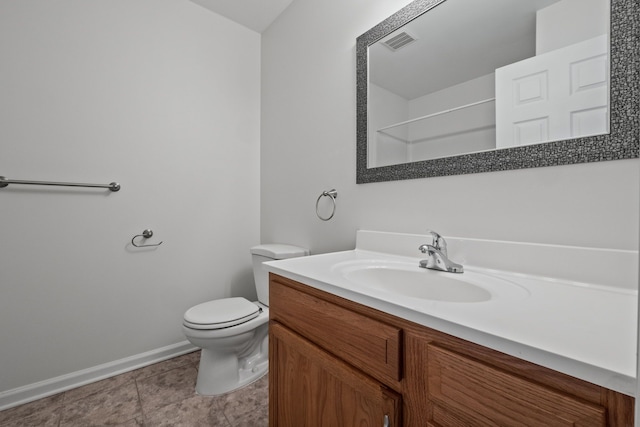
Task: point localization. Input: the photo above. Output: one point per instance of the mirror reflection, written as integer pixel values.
(470, 76)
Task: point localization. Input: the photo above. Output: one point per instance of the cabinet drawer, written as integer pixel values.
(464, 391)
(368, 344)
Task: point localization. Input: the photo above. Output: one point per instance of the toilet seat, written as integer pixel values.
(220, 314)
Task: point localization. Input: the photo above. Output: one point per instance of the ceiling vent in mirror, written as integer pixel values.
(399, 41)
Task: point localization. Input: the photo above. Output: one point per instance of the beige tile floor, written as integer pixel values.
(162, 394)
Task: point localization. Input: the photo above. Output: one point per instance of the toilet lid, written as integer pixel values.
(221, 313)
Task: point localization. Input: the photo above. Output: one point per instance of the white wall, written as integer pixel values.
(386, 108)
(570, 21)
(308, 145)
(161, 96)
(467, 130)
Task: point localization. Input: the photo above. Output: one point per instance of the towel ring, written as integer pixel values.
(145, 235)
(333, 194)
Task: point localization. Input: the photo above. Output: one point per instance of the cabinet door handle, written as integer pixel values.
(386, 422)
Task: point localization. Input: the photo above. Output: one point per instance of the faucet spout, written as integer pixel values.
(437, 256)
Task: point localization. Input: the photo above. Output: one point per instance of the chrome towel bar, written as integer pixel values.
(114, 186)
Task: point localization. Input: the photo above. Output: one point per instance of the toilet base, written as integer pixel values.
(219, 376)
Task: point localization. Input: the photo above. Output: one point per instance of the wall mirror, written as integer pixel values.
(447, 87)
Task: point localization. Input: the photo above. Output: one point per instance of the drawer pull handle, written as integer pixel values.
(386, 422)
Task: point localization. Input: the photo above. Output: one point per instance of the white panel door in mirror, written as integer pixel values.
(561, 94)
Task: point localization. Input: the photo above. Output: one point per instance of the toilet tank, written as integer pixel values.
(270, 252)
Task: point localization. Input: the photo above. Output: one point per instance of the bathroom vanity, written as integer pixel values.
(340, 357)
(335, 362)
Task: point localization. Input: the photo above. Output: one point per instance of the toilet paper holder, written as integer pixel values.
(145, 235)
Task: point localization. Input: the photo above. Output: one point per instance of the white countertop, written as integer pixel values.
(584, 330)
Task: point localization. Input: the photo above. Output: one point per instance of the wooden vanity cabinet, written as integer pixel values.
(313, 388)
(334, 362)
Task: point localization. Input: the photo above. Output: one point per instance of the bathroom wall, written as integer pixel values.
(467, 130)
(464, 131)
(386, 108)
(557, 26)
(162, 96)
(308, 145)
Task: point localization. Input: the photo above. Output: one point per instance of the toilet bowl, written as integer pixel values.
(233, 332)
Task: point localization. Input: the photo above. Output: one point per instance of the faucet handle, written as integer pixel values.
(438, 242)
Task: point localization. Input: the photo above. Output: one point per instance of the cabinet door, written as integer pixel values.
(310, 387)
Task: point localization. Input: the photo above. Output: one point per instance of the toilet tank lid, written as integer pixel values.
(279, 251)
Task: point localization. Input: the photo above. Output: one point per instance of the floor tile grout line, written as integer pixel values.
(142, 412)
(61, 411)
(62, 406)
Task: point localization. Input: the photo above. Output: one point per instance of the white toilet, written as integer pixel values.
(232, 332)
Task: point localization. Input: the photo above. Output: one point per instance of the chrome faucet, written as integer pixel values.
(437, 256)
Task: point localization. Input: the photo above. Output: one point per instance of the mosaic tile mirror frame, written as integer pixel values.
(624, 98)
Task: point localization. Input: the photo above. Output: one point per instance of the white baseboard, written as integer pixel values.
(35, 391)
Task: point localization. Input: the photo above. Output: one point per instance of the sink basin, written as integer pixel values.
(420, 284)
(409, 280)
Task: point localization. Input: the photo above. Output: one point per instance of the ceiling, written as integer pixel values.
(254, 14)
